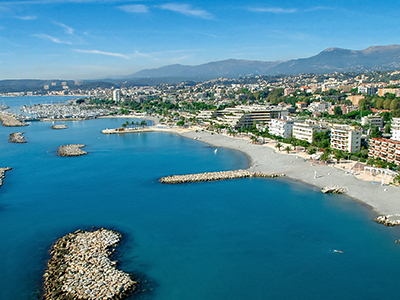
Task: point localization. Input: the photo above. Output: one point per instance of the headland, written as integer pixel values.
(10, 121)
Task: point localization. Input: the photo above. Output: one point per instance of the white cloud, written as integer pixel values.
(274, 10)
(187, 10)
(27, 18)
(103, 53)
(134, 8)
(68, 30)
(51, 38)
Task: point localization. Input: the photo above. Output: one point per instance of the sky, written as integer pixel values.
(89, 39)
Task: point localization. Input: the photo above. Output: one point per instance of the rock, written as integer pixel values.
(71, 150)
(10, 121)
(2, 174)
(59, 126)
(80, 268)
(17, 137)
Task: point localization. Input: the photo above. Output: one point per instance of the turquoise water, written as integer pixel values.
(239, 239)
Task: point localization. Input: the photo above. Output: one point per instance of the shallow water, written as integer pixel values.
(238, 239)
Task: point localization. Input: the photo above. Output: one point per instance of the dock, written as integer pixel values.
(216, 176)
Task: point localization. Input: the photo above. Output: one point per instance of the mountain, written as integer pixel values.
(223, 68)
(327, 61)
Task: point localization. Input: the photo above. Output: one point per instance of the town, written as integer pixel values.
(330, 116)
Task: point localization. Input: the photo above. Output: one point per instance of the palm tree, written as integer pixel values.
(287, 149)
(338, 155)
(396, 180)
(279, 146)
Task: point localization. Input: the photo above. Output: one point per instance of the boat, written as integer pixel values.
(215, 151)
(338, 251)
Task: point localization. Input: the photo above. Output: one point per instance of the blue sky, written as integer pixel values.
(85, 39)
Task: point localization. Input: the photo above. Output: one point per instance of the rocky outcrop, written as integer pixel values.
(59, 126)
(389, 220)
(334, 189)
(2, 174)
(212, 176)
(80, 268)
(17, 137)
(71, 150)
(10, 121)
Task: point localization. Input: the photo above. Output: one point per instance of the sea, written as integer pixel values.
(251, 238)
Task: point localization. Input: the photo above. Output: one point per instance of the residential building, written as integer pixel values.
(373, 120)
(369, 90)
(346, 138)
(281, 127)
(306, 130)
(355, 99)
(117, 95)
(396, 129)
(319, 107)
(385, 149)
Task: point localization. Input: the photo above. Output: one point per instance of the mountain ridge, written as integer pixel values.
(332, 59)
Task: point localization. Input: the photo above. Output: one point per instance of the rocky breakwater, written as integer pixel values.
(389, 220)
(59, 126)
(80, 268)
(2, 174)
(17, 137)
(71, 150)
(213, 176)
(10, 121)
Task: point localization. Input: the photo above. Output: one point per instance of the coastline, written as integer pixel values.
(381, 199)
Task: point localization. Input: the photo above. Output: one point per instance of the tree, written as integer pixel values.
(279, 146)
(338, 111)
(338, 155)
(375, 132)
(396, 180)
(362, 104)
(143, 123)
(394, 104)
(396, 113)
(386, 103)
(379, 103)
(312, 150)
(287, 149)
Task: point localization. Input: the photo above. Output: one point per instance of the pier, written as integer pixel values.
(214, 176)
(80, 268)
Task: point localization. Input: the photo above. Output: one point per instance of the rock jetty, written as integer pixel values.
(10, 121)
(334, 189)
(59, 126)
(2, 174)
(71, 150)
(80, 268)
(17, 137)
(213, 176)
(389, 220)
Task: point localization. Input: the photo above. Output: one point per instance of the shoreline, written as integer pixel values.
(381, 199)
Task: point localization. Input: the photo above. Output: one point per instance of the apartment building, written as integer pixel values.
(373, 120)
(385, 149)
(346, 138)
(396, 129)
(280, 127)
(306, 130)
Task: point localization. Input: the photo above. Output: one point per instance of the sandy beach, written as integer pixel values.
(382, 199)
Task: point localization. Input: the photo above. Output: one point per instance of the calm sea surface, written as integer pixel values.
(238, 239)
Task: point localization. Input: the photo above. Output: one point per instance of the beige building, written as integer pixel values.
(305, 130)
(346, 138)
(385, 149)
(396, 129)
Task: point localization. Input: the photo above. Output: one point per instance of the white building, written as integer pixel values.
(117, 95)
(280, 127)
(305, 130)
(346, 138)
(396, 129)
(373, 120)
(319, 107)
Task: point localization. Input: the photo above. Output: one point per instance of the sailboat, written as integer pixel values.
(215, 151)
